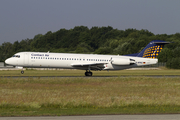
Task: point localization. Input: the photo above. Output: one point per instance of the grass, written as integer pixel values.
(85, 95)
(89, 111)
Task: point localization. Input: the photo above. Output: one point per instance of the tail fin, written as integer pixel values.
(153, 49)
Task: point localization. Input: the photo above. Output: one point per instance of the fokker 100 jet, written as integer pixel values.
(88, 62)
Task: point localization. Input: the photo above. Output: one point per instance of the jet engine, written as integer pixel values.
(122, 61)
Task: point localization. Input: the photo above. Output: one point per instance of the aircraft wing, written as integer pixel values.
(94, 66)
(87, 64)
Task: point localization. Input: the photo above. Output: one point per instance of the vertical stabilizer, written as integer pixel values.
(153, 49)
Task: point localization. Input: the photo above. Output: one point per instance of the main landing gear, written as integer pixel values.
(88, 73)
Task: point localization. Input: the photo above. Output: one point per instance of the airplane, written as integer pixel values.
(88, 62)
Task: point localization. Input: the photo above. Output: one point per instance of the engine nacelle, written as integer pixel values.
(122, 61)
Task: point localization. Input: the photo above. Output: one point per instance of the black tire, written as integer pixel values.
(22, 72)
(88, 73)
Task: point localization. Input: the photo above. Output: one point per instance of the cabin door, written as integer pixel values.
(26, 58)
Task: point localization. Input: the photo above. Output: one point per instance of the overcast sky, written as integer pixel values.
(22, 19)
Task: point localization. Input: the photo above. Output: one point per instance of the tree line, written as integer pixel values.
(96, 40)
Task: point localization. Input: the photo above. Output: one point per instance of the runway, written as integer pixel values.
(100, 117)
(153, 76)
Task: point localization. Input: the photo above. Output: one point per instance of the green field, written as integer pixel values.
(135, 94)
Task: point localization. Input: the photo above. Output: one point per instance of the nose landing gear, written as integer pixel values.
(22, 72)
(19, 67)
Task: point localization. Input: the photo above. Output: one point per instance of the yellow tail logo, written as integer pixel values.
(153, 52)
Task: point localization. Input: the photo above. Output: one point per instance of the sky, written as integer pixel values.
(22, 19)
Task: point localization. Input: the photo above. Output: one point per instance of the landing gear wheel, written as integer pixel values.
(88, 73)
(22, 72)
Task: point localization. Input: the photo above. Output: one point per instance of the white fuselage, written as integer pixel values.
(77, 61)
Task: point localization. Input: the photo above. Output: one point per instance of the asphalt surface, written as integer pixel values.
(101, 117)
(153, 76)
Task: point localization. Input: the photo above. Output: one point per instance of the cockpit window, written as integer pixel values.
(17, 56)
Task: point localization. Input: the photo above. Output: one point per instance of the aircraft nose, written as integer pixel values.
(7, 61)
